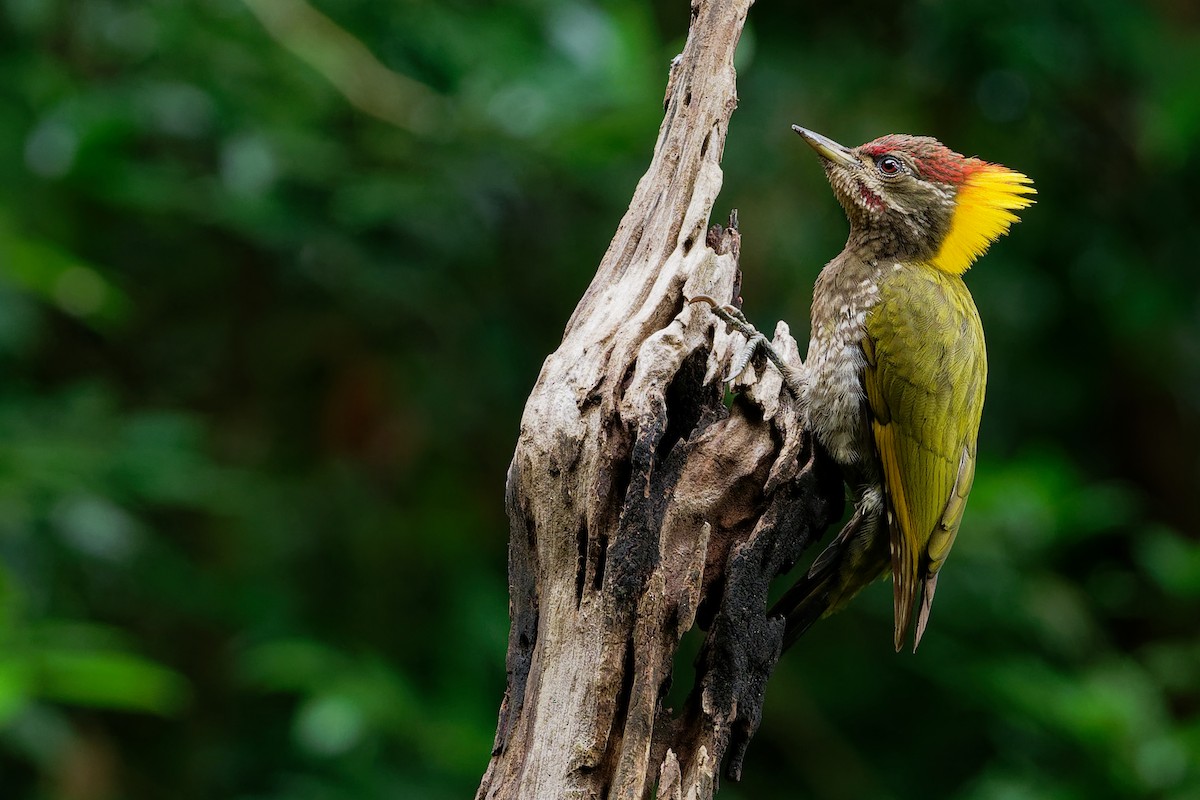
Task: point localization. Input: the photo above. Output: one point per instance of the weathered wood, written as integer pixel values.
(640, 505)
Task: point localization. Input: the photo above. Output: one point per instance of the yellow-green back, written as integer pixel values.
(925, 377)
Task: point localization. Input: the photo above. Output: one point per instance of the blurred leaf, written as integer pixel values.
(62, 280)
(1172, 560)
(109, 680)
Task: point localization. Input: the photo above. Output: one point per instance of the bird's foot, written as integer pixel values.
(756, 342)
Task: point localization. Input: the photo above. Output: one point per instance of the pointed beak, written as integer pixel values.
(827, 148)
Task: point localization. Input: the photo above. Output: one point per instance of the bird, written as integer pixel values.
(893, 383)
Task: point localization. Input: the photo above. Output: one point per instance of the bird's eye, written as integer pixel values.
(890, 165)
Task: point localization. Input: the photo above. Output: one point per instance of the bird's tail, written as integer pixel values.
(857, 556)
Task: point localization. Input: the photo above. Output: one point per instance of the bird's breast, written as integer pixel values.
(835, 401)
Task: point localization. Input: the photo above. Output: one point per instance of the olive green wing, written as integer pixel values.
(924, 380)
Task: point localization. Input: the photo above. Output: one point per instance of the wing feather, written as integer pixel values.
(924, 381)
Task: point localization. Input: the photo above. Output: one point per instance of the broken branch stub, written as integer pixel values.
(640, 505)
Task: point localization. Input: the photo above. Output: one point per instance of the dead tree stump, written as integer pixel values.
(641, 505)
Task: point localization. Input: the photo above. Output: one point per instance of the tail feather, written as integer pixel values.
(805, 603)
(928, 587)
(856, 557)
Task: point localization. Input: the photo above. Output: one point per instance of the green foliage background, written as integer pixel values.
(276, 278)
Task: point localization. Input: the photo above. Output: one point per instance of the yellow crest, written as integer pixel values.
(983, 212)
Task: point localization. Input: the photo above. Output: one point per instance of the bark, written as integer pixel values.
(641, 505)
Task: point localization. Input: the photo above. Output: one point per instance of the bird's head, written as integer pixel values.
(913, 197)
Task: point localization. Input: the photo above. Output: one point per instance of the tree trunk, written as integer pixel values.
(640, 505)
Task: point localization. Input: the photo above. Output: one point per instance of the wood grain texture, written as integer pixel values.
(640, 505)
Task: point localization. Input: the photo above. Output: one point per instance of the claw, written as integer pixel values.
(755, 341)
(730, 315)
(742, 360)
(734, 318)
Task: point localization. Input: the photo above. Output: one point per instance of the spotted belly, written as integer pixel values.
(835, 401)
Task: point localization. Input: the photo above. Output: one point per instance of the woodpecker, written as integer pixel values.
(893, 383)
